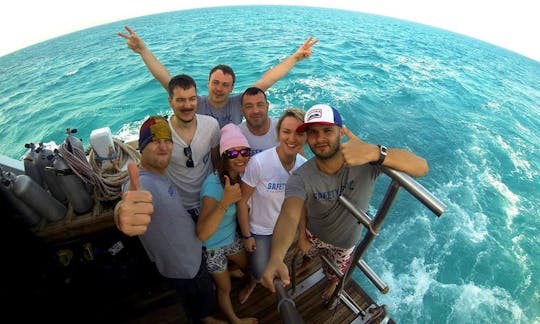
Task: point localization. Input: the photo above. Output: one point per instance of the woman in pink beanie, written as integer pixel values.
(216, 226)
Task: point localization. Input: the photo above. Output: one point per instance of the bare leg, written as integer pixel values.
(329, 290)
(246, 291)
(241, 260)
(306, 260)
(223, 285)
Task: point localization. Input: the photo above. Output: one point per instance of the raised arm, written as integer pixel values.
(212, 211)
(357, 152)
(136, 44)
(283, 236)
(279, 71)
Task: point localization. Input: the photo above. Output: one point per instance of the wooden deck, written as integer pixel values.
(163, 307)
(126, 288)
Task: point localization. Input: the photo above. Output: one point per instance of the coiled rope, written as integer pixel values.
(107, 183)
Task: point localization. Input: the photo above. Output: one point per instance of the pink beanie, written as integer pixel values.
(231, 136)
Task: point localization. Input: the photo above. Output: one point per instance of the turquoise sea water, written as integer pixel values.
(471, 109)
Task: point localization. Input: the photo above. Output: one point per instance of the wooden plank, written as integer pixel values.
(262, 304)
(74, 225)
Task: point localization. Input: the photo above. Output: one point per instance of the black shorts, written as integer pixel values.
(198, 295)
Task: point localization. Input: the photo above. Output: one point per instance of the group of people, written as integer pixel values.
(220, 182)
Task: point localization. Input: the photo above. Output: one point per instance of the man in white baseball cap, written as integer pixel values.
(349, 169)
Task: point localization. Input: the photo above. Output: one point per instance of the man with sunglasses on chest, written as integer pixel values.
(196, 142)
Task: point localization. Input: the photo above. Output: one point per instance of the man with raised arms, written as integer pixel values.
(218, 104)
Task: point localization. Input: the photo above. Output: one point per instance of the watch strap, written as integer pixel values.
(383, 151)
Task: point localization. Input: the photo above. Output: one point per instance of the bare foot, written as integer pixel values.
(329, 290)
(247, 320)
(213, 320)
(244, 294)
(236, 273)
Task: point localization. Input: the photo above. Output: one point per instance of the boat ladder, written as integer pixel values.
(373, 312)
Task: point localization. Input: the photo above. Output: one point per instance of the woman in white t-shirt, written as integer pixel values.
(263, 189)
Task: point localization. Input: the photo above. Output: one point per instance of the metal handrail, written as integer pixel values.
(399, 179)
(417, 190)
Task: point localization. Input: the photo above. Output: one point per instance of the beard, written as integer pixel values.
(334, 149)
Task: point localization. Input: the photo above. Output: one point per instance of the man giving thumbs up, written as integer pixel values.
(349, 169)
(152, 208)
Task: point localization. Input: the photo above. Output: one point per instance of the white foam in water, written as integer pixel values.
(512, 206)
(518, 158)
(488, 303)
(409, 288)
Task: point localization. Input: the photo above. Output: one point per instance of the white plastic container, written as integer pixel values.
(102, 143)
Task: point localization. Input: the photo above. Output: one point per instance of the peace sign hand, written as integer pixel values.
(134, 42)
(305, 50)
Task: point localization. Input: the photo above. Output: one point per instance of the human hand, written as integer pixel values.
(134, 42)
(305, 50)
(133, 213)
(250, 245)
(357, 152)
(275, 269)
(231, 193)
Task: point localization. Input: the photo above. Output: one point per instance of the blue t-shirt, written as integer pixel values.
(170, 239)
(230, 113)
(227, 228)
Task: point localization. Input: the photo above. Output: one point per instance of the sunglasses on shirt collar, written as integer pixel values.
(189, 154)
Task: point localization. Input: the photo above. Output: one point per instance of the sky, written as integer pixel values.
(512, 24)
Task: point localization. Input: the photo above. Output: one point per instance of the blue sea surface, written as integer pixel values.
(470, 108)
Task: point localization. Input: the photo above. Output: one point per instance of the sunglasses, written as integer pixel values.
(233, 154)
(187, 152)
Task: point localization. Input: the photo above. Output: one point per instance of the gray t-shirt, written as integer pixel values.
(230, 113)
(263, 142)
(170, 240)
(327, 218)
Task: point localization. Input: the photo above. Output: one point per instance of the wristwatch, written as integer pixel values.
(383, 151)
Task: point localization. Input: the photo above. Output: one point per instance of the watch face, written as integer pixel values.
(383, 150)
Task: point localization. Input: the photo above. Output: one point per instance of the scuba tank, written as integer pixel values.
(72, 141)
(75, 146)
(47, 158)
(31, 167)
(21, 209)
(28, 191)
(74, 188)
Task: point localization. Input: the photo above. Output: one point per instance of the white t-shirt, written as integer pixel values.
(263, 142)
(189, 180)
(266, 174)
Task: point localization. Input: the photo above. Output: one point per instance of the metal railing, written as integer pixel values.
(399, 180)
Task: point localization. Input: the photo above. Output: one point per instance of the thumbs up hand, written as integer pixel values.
(357, 152)
(231, 193)
(133, 213)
